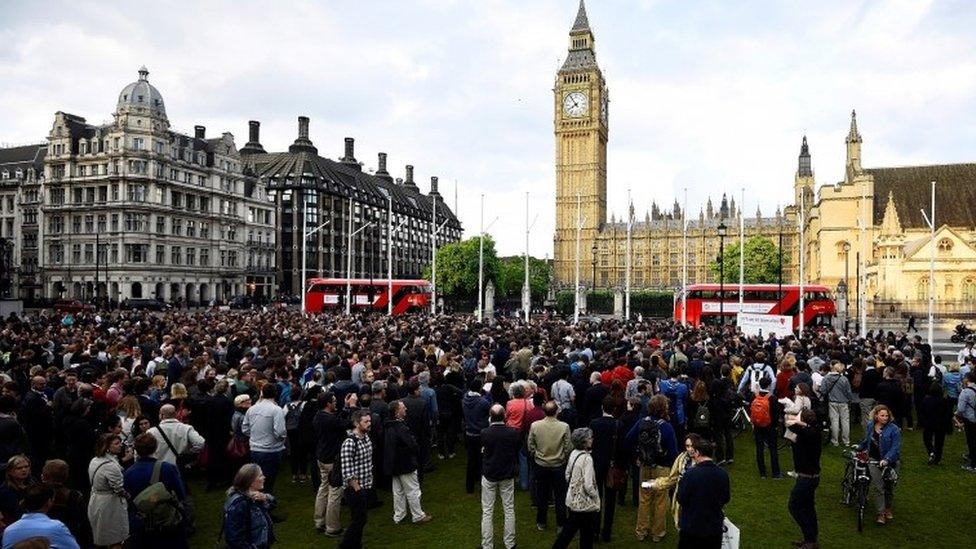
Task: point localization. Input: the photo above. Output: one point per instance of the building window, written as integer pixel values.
(136, 253)
(923, 289)
(177, 227)
(160, 254)
(57, 197)
(969, 289)
(137, 193)
(89, 253)
(204, 257)
(945, 246)
(101, 223)
(191, 256)
(76, 224)
(57, 254)
(160, 224)
(89, 224)
(176, 255)
(115, 222)
(76, 254)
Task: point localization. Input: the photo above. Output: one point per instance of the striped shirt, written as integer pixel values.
(356, 460)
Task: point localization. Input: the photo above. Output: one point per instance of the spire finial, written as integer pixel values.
(853, 136)
(143, 73)
(582, 23)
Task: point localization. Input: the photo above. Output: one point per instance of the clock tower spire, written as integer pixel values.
(581, 118)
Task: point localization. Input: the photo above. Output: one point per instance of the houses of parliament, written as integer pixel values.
(867, 223)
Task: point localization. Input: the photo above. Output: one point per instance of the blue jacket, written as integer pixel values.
(668, 441)
(677, 393)
(247, 524)
(475, 409)
(890, 441)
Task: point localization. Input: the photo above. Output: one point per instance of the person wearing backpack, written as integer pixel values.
(156, 513)
(763, 415)
(965, 417)
(297, 451)
(654, 439)
(836, 391)
(758, 370)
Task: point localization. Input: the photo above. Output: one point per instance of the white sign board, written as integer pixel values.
(360, 299)
(330, 299)
(753, 324)
(731, 307)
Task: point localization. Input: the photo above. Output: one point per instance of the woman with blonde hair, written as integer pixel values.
(882, 443)
(177, 397)
(128, 410)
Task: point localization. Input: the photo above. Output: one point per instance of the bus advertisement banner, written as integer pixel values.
(762, 325)
(731, 307)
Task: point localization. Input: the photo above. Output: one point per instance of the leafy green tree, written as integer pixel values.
(457, 268)
(761, 262)
(511, 277)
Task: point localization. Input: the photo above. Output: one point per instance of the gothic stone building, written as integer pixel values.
(581, 117)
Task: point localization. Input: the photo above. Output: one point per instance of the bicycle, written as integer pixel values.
(740, 419)
(856, 482)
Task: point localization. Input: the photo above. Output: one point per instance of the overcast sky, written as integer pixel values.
(708, 96)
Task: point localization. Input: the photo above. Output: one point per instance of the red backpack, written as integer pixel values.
(759, 411)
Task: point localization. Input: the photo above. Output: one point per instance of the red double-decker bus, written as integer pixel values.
(706, 305)
(325, 294)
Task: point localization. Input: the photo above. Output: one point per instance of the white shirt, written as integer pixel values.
(183, 437)
(965, 352)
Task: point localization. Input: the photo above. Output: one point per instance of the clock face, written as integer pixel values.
(575, 104)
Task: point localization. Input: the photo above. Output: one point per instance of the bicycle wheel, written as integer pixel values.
(862, 501)
(847, 485)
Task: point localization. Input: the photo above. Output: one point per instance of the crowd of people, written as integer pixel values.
(104, 416)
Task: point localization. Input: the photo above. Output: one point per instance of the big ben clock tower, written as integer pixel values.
(580, 116)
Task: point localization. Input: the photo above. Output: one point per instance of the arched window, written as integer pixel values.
(923, 289)
(969, 289)
(945, 246)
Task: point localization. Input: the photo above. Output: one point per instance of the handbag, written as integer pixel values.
(617, 478)
(183, 461)
(238, 448)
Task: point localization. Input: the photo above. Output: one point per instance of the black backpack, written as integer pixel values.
(650, 451)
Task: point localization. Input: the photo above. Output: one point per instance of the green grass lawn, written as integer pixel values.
(933, 507)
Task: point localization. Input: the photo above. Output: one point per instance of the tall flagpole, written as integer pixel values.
(579, 230)
(433, 256)
(630, 228)
(862, 295)
(389, 259)
(349, 254)
(684, 264)
(526, 293)
(800, 232)
(481, 260)
(932, 270)
(742, 249)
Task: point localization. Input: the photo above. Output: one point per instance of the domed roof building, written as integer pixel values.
(141, 95)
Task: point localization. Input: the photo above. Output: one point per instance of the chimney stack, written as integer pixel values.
(433, 188)
(200, 132)
(350, 156)
(399, 181)
(408, 183)
(253, 144)
(381, 168)
(302, 143)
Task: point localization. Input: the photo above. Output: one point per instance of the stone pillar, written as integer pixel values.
(618, 303)
(582, 300)
(489, 312)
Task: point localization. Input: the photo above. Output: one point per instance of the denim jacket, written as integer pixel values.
(890, 441)
(247, 524)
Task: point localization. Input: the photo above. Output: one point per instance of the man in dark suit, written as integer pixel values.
(593, 398)
(499, 467)
(702, 494)
(604, 438)
(420, 422)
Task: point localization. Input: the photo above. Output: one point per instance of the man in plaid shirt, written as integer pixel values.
(356, 461)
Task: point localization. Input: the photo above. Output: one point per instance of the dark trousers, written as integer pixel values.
(447, 433)
(472, 477)
(766, 437)
(219, 469)
(581, 522)
(356, 501)
(724, 445)
(297, 453)
(609, 500)
(550, 482)
(269, 463)
(970, 430)
(803, 507)
(688, 541)
(934, 440)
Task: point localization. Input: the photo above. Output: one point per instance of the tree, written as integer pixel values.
(762, 262)
(511, 277)
(457, 268)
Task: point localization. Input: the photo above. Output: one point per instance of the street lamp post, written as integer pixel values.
(594, 250)
(721, 271)
(305, 235)
(847, 271)
(779, 293)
